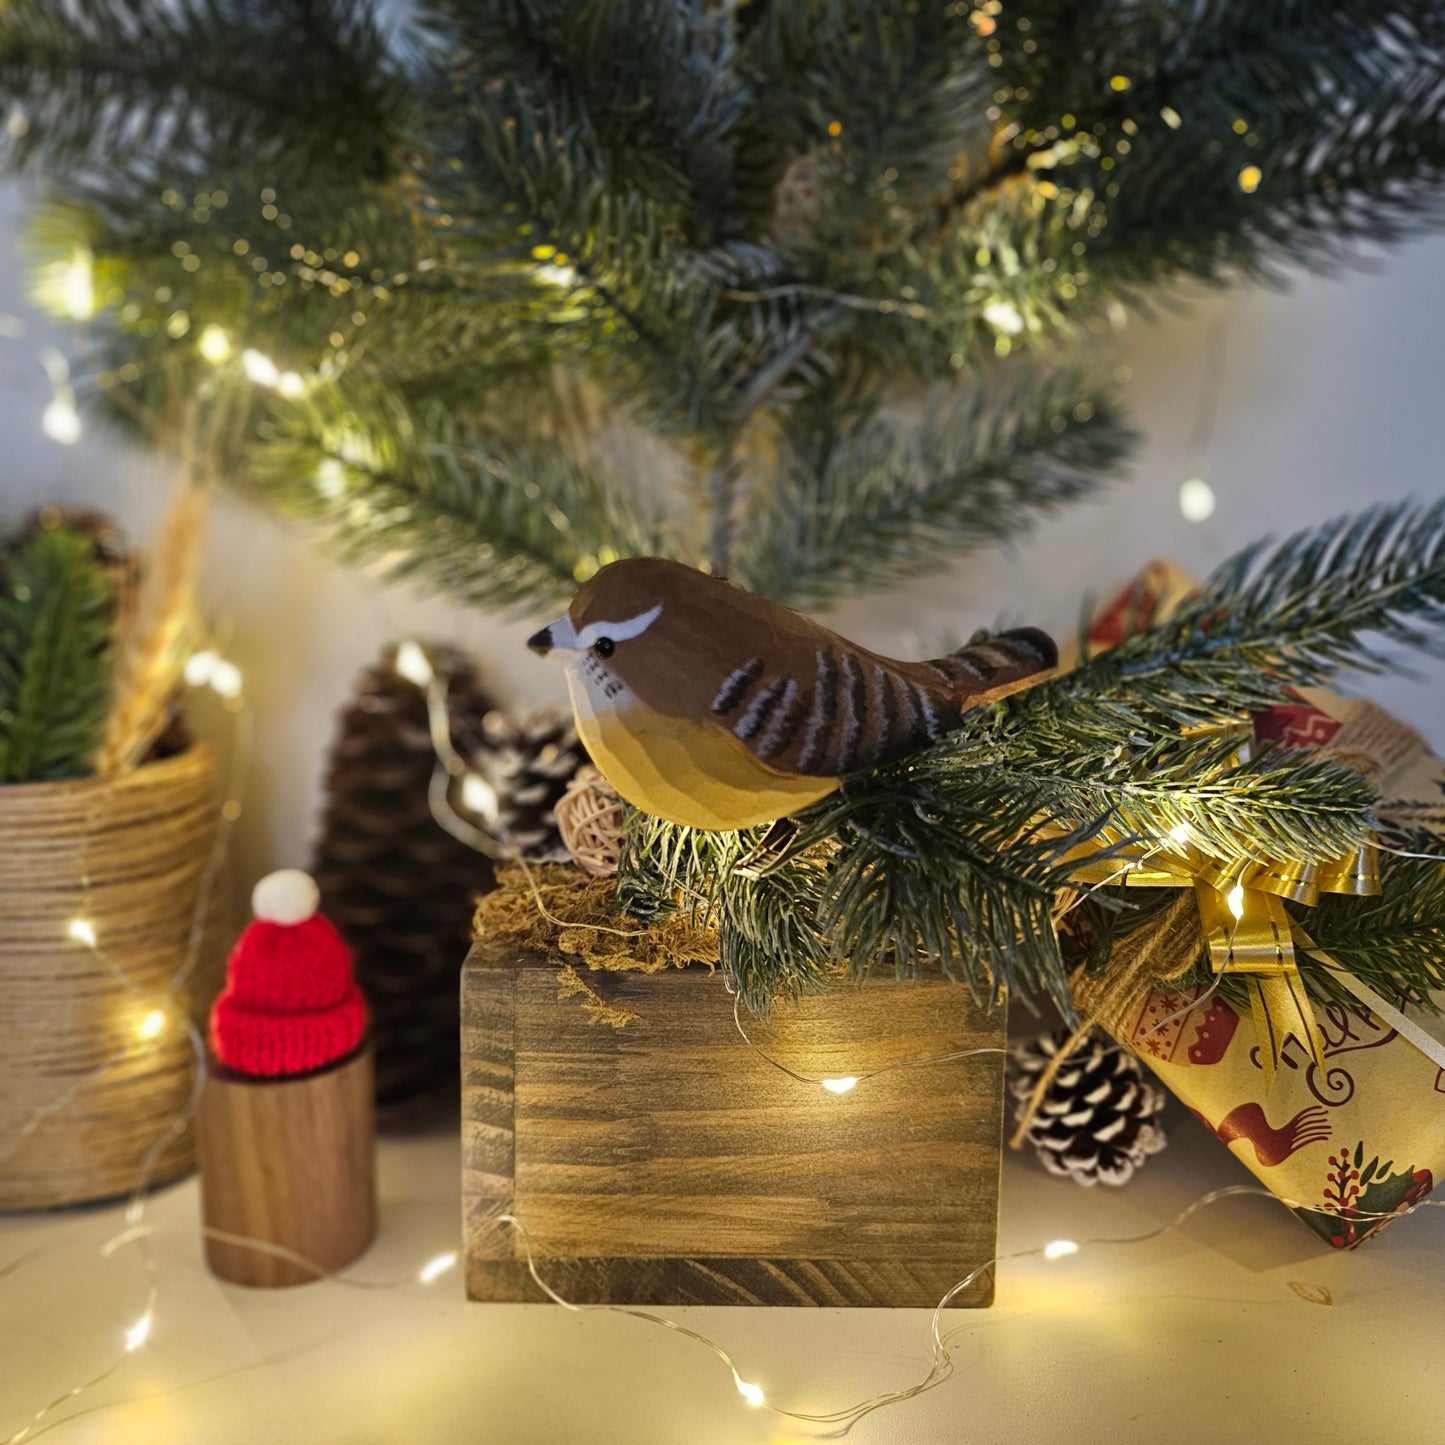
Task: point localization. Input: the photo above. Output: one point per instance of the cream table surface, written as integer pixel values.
(1211, 1333)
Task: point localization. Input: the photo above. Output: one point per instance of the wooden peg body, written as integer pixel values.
(290, 1163)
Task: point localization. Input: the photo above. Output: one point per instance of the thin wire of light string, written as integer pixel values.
(1211, 390)
(143, 1234)
(168, 1003)
(500, 847)
(914, 310)
(862, 1078)
(136, 1231)
(941, 1366)
(451, 765)
(1111, 1046)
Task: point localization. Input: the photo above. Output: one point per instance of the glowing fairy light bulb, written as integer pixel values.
(138, 1333)
(1235, 899)
(291, 384)
(214, 345)
(60, 421)
(750, 1392)
(225, 679)
(1004, 316)
(1060, 1248)
(412, 664)
(260, 368)
(67, 287)
(437, 1266)
(841, 1085)
(151, 1025)
(198, 668)
(1196, 500)
(1179, 833)
(480, 797)
(74, 286)
(331, 478)
(82, 930)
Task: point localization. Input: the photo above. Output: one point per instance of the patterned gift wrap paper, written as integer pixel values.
(1357, 1141)
(1362, 1138)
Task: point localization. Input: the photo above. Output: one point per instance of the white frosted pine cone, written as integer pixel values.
(1100, 1117)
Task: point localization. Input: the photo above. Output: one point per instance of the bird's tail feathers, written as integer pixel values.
(991, 667)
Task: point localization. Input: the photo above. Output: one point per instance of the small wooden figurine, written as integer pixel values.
(286, 1128)
(707, 705)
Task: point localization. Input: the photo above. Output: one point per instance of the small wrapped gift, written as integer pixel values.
(1339, 1109)
(1348, 1144)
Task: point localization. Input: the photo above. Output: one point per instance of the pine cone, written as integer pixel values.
(399, 888)
(529, 761)
(1099, 1119)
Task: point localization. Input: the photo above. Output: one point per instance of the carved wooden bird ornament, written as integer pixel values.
(707, 705)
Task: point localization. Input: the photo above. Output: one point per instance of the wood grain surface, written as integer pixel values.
(668, 1163)
(289, 1162)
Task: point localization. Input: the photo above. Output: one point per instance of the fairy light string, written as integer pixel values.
(60, 420)
(207, 669)
(164, 1009)
(941, 1359)
(451, 766)
(479, 796)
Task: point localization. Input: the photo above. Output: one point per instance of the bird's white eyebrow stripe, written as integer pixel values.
(619, 631)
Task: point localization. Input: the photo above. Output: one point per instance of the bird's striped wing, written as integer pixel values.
(842, 710)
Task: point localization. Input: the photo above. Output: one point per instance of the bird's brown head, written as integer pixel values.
(648, 621)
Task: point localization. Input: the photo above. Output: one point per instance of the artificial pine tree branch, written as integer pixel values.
(1209, 139)
(1270, 618)
(882, 93)
(950, 858)
(55, 676)
(661, 112)
(727, 474)
(859, 501)
(94, 79)
(512, 528)
(1394, 943)
(630, 305)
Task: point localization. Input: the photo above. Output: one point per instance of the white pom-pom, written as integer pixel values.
(286, 896)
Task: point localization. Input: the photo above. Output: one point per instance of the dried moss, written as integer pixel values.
(564, 912)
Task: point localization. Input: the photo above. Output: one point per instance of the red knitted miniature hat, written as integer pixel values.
(290, 1004)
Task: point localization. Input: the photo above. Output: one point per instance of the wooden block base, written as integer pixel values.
(668, 1163)
(292, 1163)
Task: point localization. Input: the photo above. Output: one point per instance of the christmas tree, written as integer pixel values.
(827, 269)
(418, 265)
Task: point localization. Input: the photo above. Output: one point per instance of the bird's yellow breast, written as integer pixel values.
(690, 773)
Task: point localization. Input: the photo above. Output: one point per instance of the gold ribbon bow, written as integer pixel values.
(1243, 918)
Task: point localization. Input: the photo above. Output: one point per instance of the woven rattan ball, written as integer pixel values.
(589, 818)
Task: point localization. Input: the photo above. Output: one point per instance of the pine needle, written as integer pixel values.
(55, 619)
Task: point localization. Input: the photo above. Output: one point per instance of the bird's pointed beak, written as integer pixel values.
(560, 634)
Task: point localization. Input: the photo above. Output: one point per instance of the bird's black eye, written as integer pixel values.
(603, 647)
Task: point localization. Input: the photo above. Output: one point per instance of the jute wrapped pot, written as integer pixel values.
(90, 1088)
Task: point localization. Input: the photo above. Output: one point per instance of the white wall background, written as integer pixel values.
(1331, 399)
